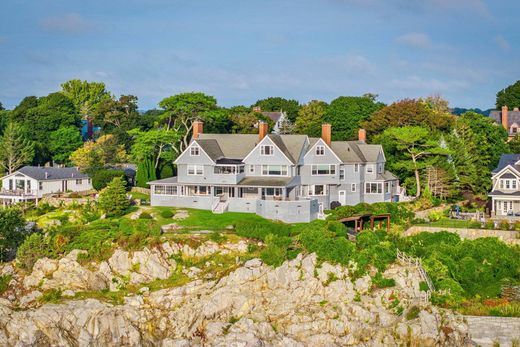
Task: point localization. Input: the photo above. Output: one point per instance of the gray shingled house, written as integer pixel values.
(291, 178)
(505, 192)
(510, 120)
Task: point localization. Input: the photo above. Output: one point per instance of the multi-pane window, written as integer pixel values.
(165, 190)
(194, 151)
(318, 189)
(342, 174)
(272, 191)
(40, 185)
(508, 184)
(320, 150)
(356, 167)
(274, 170)
(373, 188)
(387, 187)
(251, 169)
(370, 169)
(353, 187)
(380, 168)
(228, 169)
(79, 181)
(323, 169)
(195, 170)
(198, 190)
(266, 150)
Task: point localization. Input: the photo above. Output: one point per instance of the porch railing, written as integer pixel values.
(17, 192)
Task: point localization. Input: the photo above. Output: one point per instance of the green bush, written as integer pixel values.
(113, 199)
(145, 215)
(399, 213)
(4, 283)
(277, 250)
(217, 237)
(34, 247)
(413, 313)
(166, 214)
(261, 229)
(101, 178)
(379, 281)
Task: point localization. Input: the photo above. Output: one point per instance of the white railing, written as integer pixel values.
(416, 262)
(17, 192)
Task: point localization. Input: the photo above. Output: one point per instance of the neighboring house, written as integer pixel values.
(291, 178)
(510, 120)
(505, 192)
(30, 183)
(277, 117)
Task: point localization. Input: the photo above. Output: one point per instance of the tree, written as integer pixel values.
(276, 104)
(156, 145)
(86, 97)
(414, 144)
(1, 107)
(117, 116)
(15, 149)
(12, 231)
(509, 96)
(93, 156)
(310, 118)
(101, 178)
(180, 112)
(145, 173)
(409, 112)
(218, 121)
(514, 144)
(63, 142)
(347, 113)
(113, 200)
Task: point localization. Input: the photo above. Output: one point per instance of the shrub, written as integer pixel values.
(50, 296)
(101, 178)
(260, 230)
(166, 214)
(217, 237)
(4, 283)
(276, 251)
(379, 281)
(112, 199)
(12, 231)
(34, 247)
(145, 215)
(399, 213)
(413, 313)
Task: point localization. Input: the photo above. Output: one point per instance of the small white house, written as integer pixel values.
(30, 183)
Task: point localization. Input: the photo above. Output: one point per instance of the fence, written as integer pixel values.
(416, 262)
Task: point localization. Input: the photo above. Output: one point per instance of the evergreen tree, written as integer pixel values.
(145, 173)
(113, 200)
(15, 149)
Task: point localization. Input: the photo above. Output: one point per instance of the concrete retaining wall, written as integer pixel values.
(509, 236)
(487, 331)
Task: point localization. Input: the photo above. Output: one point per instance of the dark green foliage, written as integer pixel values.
(379, 281)
(4, 283)
(278, 250)
(145, 215)
(12, 231)
(509, 96)
(346, 114)
(413, 313)
(113, 199)
(166, 171)
(63, 142)
(260, 230)
(101, 178)
(145, 173)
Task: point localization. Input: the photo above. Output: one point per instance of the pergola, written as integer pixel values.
(373, 219)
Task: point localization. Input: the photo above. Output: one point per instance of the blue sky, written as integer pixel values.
(243, 50)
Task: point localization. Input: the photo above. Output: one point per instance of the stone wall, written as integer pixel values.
(509, 236)
(487, 331)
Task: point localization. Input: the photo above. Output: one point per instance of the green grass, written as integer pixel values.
(140, 196)
(453, 223)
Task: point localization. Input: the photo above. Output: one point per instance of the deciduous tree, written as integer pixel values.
(101, 153)
(63, 142)
(509, 96)
(310, 118)
(276, 104)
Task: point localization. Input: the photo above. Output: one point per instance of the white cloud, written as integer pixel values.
(502, 43)
(431, 85)
(416, 40)
(71, 23)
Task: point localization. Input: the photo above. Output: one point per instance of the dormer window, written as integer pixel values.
(194, 151)
(266, 150)
(320, 150)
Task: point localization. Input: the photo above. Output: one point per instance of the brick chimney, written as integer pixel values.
(198, 128)
(326, 133)
(505, 122)
(263, 128)
(362, 135)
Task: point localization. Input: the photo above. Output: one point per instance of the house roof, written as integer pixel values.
(512, 117)
(507, 159)
(386, 176)
(501, 193)
(508, 175)
(268, 182)
(234, 146)
(169, 180)
(52, 173)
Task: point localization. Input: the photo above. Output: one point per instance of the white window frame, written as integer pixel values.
(165, 190)
(312, 190)
(380, 168)
(265, 168)
(251, 169)
(353, 187)
(194, 151)
(195, 169)
(379, 188)
(332, 170)
(370, 168)
(263, 152)
(356, 167)
(342, 174)
(320, 150)
(513, 184)
(79, 181)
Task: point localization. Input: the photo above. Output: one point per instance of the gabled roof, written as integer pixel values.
(52, 173)
(506, 160)
(386, 176)
(274, 116)
(290, 145)
(232, 146)
(211, 148)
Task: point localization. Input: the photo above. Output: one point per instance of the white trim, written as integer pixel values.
(344, 197)
(353, 185)
(195, 171)
(326, 146)
(18, 172)
(321, 150)
(260, 143)
(312, 189)
(508, 167)
(262, 170)
(188, 148)
(251, 166)
(197, 147)
(329, 165)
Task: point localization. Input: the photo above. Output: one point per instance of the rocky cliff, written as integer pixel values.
(301, 303)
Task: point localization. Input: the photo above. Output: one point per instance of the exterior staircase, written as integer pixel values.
(220, 205)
